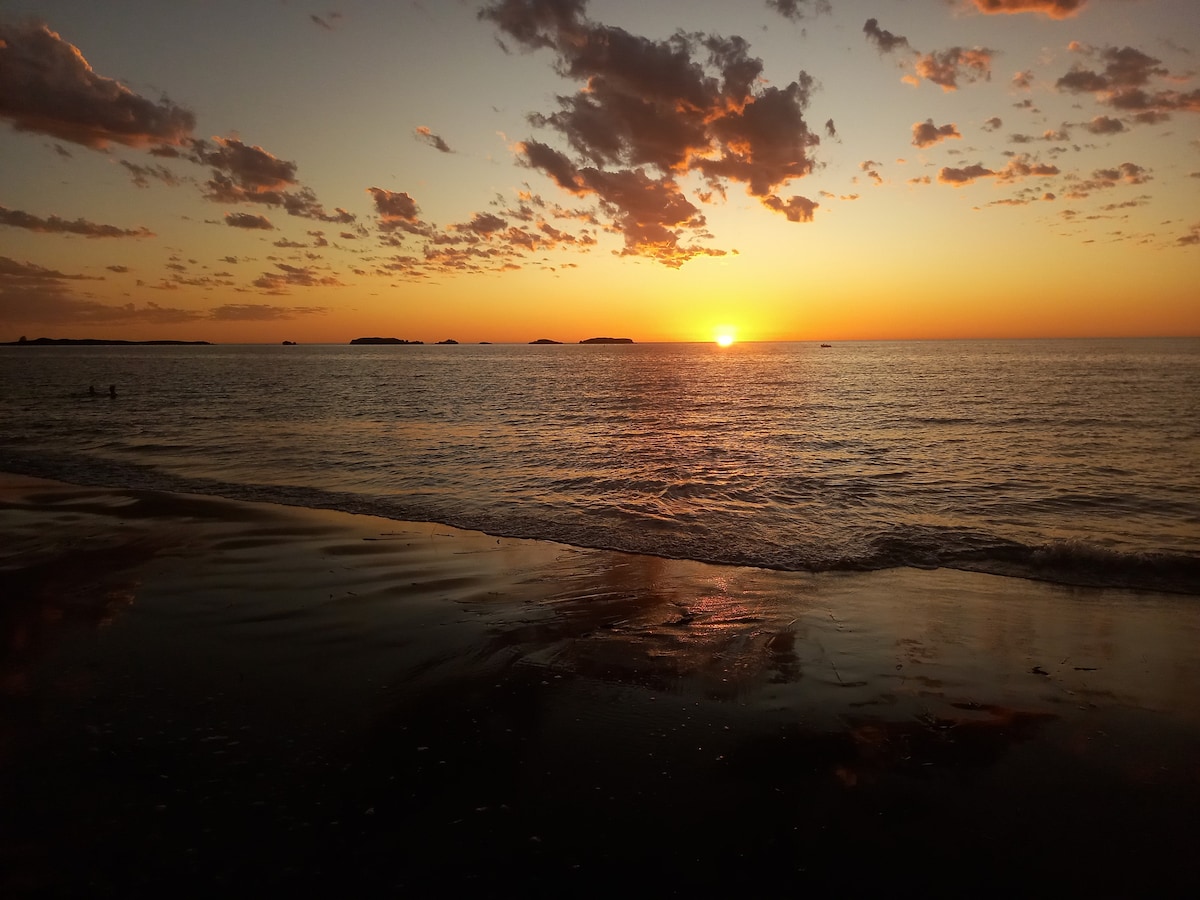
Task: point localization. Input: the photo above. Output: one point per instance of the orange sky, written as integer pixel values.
(518, 169)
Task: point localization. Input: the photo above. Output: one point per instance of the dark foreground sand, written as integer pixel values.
(214, 698)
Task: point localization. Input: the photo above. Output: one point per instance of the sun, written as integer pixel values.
(724, 338)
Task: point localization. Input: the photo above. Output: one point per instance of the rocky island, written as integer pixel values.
(95, 342)
(383, 340)
(545, 341)
(607, 340)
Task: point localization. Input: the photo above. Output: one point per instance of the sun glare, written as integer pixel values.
(724, 339)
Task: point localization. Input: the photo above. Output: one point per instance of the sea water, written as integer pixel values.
(1070, 460)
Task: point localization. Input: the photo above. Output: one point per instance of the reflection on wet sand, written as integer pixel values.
(386, 707)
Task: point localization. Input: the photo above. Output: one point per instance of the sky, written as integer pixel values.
(269, 170)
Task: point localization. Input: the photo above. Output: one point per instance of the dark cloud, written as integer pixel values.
(12, 272)
(293, 276)
(328, 23)
(690, 103)
(797, 208)
(48, 87)
(250, 167)
(245, 173)
(33, 294)
(433, 140)
(1123, 81)
(246, 220)
(993, 123)
(1023, 167)
(397, 212)
(831, 129)
(958, 177)
(799, 9)
(947, 67)
(1126, 173)
(1055, 9)
(1105, 125)
(143, 174)
(926, 134)
(883, 39)
(54, 225)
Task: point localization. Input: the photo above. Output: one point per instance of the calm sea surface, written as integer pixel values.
(1074, 461)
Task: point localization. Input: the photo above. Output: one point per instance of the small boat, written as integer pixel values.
(827, 345)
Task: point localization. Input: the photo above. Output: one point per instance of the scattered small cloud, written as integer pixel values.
(884, 39)
(433, 140)
(247, 220)
(926, 134)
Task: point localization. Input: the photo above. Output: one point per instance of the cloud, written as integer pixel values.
(1055, 9)
(328, 23)
(926, 134)
(397, 212)
(652, 111)
(993, 123)
(142, 174)
(1122, 83)
(54, 225)
(246, 220)
(1126, 173)
(48, 87)
(241, 171)
(947, 67)
(12, 271)
(433, 140)
(32, 294)
(871, 167)
(799, 9)
(959, 177)
(1105, 125)
(1022, 81)
(245, 173)
(884, 40)
(797, 208)
(261, 312)
(293, 276)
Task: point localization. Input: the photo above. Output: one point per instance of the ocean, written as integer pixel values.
(1073, 461)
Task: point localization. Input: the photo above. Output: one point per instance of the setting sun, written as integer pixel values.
(724, 338)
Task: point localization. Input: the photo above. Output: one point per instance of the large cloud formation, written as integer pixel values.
(1121, 81)
(47, 86)
(650, 113)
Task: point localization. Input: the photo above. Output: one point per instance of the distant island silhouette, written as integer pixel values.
(607, 340)
(383, 340)
(545, 341)
(94, 342)
(448, 341)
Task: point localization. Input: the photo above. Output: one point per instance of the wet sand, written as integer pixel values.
(203, 696)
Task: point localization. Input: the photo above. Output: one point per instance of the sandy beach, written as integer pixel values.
(201, 695)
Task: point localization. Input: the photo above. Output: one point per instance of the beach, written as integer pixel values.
(207, 695)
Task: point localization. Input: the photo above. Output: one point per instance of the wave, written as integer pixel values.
(667, 533)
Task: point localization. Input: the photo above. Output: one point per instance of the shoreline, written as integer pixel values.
(382, 705)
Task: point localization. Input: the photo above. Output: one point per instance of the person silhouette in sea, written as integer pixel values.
(91, 390)
(112, 392)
